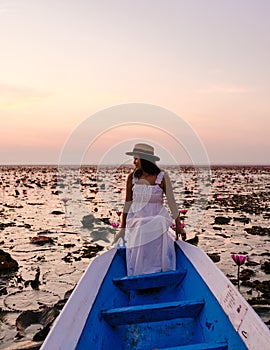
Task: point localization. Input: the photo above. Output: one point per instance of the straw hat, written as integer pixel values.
(142, 150)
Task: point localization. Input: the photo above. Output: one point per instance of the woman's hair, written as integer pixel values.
(148, 167)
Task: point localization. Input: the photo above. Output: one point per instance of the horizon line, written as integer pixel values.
(130, 165)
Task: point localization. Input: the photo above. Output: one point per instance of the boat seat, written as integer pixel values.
(152, 280)
(200, 346)
(153, 312)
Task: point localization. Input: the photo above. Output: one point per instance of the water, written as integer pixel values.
(30, 195)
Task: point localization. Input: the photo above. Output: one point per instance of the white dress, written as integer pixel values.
(150, 248)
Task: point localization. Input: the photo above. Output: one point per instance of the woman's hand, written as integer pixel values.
(120, 234)
(179, 230)
(182, 233)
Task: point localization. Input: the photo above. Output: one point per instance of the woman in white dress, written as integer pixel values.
(145, 220)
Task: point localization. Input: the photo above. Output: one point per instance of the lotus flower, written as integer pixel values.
(239, 260)
(115, 224)
(65, 200)
(173, 226)
(183, 211)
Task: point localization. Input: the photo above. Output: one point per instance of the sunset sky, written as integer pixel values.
(65, 61)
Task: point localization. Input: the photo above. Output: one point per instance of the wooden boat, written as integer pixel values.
(192, 308)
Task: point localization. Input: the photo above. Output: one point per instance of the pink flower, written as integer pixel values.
(219, 198)
(183, 211)
(173, 226)
(115, 224)
(239, 259)
(119, 213)
(65, 200)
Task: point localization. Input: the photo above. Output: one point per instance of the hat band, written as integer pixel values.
(138, 150)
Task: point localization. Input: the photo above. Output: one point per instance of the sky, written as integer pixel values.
(64, 62)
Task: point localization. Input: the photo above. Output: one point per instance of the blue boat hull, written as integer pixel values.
(171, 315)
(170, 310)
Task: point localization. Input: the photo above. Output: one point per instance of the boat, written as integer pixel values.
(194, 307)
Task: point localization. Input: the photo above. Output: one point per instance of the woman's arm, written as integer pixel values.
(128, 201)
(167, 188)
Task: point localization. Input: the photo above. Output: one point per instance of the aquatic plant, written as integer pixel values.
(115, 224)
(239, 260)
(65, 202)
(183, 211)
(173, 226)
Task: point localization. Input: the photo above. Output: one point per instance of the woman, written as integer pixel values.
(145, 220)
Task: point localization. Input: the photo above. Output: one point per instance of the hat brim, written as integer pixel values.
(143, 155)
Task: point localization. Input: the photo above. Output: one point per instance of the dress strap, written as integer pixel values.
(159, 178)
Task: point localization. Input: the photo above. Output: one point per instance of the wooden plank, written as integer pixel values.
(153, 312)
(201, 346)
(153, 280)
